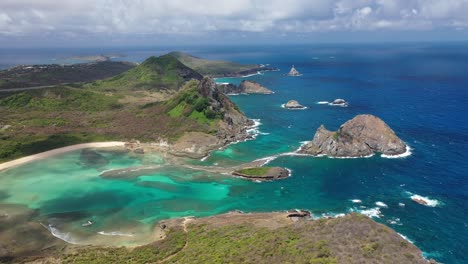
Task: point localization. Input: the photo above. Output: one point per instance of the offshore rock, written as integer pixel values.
(361, 136)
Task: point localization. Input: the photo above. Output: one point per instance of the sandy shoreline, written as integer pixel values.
(50, 153)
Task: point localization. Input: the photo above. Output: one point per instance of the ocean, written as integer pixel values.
(419, 89)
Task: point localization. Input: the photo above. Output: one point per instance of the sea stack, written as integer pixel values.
(361, 136)
(339, 102)
(293, 104)
(293, 72)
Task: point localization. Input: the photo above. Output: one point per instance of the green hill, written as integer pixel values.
(214, 68)
(154, 74)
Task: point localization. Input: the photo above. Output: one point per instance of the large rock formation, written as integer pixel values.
(245, 87)
(360, 136)
(252, 87)
(230, 128)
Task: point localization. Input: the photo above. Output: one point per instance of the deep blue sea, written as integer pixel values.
(419, 89)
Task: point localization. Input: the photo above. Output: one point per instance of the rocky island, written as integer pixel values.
(361, 136)
(293, 104)
(263, 173)
(339, 102)
(293, 72)
(245, 87)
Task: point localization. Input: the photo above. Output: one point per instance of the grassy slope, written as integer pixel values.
(155, 73)
(352, 239)
(56, 74)
(211, 67)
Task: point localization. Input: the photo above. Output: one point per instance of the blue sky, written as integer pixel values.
(152, 22)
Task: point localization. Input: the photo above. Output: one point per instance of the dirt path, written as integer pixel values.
(184, 225)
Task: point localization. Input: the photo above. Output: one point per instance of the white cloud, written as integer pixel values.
(127, 17)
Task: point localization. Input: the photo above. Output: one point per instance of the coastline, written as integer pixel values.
(50, 153)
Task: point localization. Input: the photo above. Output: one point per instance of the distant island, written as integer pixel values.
(293, 72)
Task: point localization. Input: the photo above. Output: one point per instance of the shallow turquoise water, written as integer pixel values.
(420, 90)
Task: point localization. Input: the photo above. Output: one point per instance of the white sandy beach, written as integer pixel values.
(58, 151)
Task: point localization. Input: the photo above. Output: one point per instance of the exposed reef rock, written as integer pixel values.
(245, 87)
(293, 104)
(361, 136)
(91, 158)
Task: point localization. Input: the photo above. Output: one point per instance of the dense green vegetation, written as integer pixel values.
(155, 73)
(190, 104)
(42, 75)
(211, 67)
(61, 99)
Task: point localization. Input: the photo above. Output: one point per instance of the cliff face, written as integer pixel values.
(360, 136)
(230, 125)
(245, 87)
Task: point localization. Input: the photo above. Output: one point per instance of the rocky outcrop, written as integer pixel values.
(361, 136)
(245, 87)
(339, 102)
(231, 128)
(252, 87)
(293, 104)
(294, 72)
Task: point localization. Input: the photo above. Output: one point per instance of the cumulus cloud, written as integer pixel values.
(188, 17)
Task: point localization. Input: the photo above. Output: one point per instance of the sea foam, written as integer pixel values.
(403, 155)
(429, 202)
(60, 235)
(114, 233)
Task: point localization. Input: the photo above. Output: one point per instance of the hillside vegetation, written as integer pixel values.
(266, 238)
(154, 74)
(120, 108)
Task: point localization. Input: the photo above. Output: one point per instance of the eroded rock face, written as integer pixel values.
(251, 87)
(245, 87)
(361, 136)
(233, 126)
(293, 104)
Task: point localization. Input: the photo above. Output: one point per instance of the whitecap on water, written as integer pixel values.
(114, 233)
(403, 155)
(424, 200)
(381, 204)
